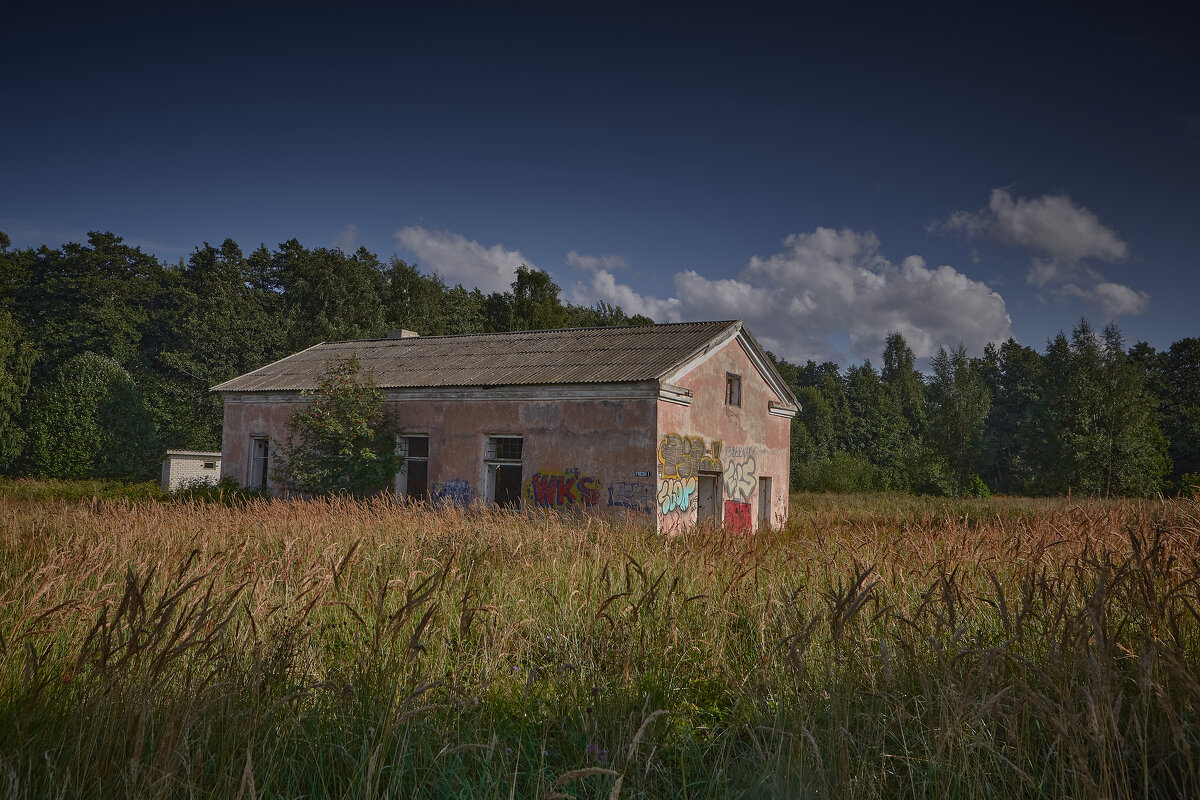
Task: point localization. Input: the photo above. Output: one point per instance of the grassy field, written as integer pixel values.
(879, 646)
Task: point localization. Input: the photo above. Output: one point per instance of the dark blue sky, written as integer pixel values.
(829, 175)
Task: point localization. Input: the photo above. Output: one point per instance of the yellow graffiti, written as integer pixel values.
(687, 456)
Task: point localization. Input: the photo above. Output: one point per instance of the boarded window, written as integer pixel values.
(733, 389)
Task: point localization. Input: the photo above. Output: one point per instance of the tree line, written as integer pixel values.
(1089, 415)
(107, 355)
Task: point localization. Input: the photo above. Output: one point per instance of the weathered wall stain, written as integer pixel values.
(566, 489)
(737, 516)
(675, 494)
(687, 456)
(456, 492)
(739, 477)
(637, 495)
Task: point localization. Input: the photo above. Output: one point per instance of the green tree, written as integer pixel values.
(214, 326)
(958, 406)
(1013, 374)
(329, 296)
(16, 361)
(90, 421)
(1181, 405)
(870, 425)
(1098, 429)
(414, 300)
(89, 298)
(904, 382)
(340, 442)
(535, 304)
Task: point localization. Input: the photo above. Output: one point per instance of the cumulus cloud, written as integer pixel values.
(826, 283)
(1062, 237)
(346, 239)
(463, 260)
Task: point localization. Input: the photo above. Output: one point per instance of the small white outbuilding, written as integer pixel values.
(189, 466)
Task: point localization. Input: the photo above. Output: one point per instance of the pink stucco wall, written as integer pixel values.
(648, 456)
(594, 455)
(743, 443)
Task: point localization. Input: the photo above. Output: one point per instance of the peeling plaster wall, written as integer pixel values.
(749, 442)
(594, 455)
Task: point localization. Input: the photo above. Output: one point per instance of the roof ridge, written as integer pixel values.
(620, 328)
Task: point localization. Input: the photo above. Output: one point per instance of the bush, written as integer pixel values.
(90, 421)
(226, 491)
(841, 472)
(339, 443)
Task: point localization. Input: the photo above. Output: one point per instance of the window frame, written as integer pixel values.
(733, 389)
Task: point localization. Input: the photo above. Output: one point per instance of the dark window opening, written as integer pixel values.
(508, 485)
(503, 458)
(260, 462)
(416, 467)
(733, 389)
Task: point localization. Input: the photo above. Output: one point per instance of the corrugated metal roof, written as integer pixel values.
(579, 355)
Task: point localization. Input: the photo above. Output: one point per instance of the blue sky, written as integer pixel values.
(829, 175)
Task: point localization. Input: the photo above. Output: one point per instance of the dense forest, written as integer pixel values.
(107, 354)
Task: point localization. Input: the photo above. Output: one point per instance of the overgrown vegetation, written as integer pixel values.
(340, 442)
(881, 646)
(1090, 415)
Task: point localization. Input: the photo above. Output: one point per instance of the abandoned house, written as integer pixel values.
(682, 422)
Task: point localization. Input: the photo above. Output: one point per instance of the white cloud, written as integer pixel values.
(1114, 299)
(1052, 225)
(592, 263)
(823, 283)
(463, 260)
(1062, 236)
(604, 286)
(346, 239)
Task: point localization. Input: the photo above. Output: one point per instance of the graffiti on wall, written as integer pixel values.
(739, 477)
(563, 490)
(686, 456)
(454, 492)
(675, 494)
(680, 460)
(632, 494)
(737, 516)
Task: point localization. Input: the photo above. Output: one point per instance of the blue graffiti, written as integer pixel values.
(632, 494)
(455, 492)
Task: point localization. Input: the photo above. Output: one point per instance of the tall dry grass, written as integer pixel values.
(877, 647)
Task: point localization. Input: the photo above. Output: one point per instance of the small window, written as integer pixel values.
(210, 465)
(733, 389)
(504, 448)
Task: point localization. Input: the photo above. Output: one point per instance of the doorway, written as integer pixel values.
(764, 503)
(507, 486)
(707, 499)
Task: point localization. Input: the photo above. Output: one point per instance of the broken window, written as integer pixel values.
(503, 459)
(413, 480)
(733, 389)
